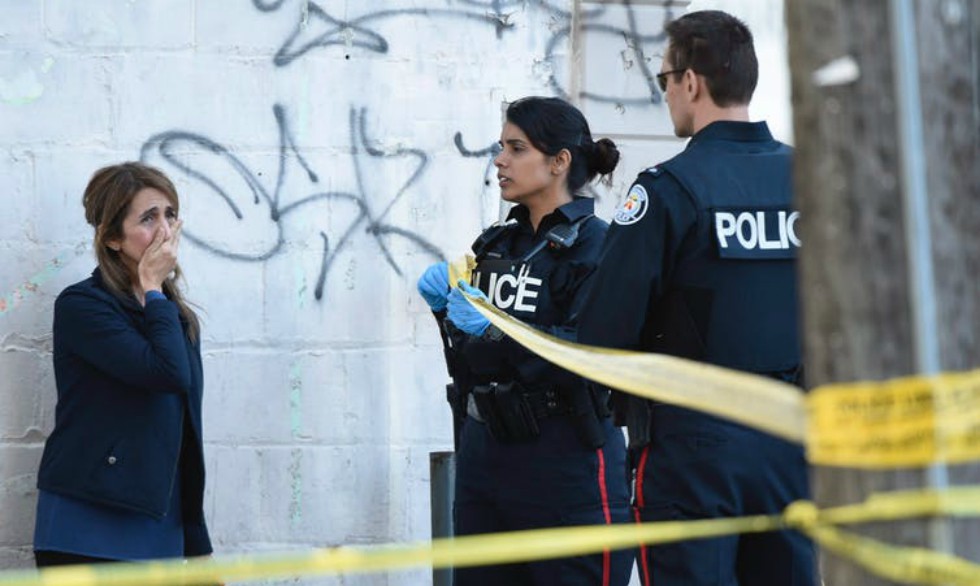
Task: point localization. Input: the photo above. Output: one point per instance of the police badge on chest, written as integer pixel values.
(508, 284)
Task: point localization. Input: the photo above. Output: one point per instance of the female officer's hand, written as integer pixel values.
(434, 285)
(462, 313)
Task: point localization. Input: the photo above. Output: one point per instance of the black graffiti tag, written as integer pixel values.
(226, 177)
(317, 28)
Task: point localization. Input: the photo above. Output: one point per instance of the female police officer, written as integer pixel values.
(537, 449)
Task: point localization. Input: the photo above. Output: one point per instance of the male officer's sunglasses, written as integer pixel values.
(662, 77)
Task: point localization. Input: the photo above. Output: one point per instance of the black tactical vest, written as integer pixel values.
(732, 297)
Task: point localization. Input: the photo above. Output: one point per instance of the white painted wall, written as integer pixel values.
(343, 133)
(766, 19)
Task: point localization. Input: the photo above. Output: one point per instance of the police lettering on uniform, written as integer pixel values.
(756, 230)
(509, 291)
(536, 447)
(700, 262)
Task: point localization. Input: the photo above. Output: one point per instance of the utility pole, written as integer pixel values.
(886, 101)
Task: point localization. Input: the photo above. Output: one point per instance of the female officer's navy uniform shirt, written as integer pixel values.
(556, 300)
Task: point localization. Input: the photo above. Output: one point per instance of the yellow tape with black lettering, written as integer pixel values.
(903, 422)
(760, 402)
(914, 421)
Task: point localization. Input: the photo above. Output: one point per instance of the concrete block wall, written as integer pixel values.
(326, 152)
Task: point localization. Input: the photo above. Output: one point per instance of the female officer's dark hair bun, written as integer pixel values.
(552, 124)
(605, 156)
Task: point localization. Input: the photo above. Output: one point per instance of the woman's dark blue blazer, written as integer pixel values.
(129, 392)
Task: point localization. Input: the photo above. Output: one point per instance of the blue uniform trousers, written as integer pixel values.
(699, 467)
(553, 481)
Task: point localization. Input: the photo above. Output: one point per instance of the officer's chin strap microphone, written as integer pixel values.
(558, 238)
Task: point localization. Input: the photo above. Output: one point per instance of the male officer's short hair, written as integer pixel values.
(718, 46)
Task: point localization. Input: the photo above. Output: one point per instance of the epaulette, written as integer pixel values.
(654, 170)
(488, 237)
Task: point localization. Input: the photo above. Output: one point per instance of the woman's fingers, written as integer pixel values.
(175, 234)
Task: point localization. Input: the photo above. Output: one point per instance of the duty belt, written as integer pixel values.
(543, 404)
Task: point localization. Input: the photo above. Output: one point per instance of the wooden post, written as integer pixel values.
(881, 278)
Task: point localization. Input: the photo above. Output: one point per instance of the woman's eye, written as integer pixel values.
(147, 220)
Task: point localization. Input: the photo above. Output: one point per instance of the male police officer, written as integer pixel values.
(700, 263)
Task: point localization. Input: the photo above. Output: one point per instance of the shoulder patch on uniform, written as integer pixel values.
(634, 208)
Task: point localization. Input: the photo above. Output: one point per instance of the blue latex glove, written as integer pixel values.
(434, 285)
(463, 315)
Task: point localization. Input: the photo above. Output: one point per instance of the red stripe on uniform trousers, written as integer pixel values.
(644, 566)
(604, 493)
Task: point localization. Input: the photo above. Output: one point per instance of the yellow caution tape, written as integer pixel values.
(963, 501)
(903, 422)
(910, 565)
(763, 403)
(914, 421)
(461, 269)
(476, 550)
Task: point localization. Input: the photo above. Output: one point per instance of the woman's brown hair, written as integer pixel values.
(107, 199)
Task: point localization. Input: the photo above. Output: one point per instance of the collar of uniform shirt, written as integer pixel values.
(571, 211)
(734, 130)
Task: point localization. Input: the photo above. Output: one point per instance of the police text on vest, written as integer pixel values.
(751, 233)
(506, 290)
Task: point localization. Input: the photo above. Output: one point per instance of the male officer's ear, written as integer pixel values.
(695, 86)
